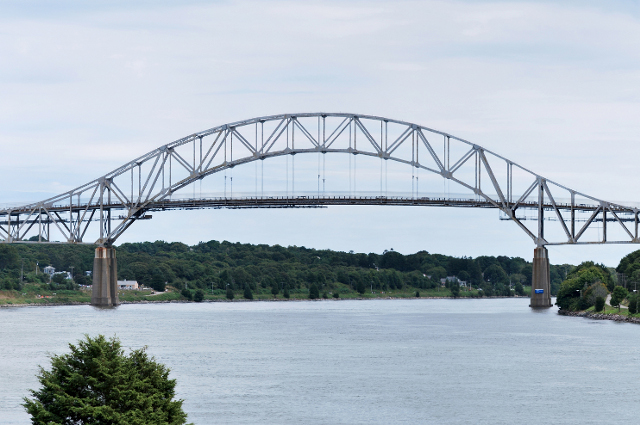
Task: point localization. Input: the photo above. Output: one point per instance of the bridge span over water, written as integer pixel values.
(419, 163)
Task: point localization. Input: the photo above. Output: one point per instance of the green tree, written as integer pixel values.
(571, 295)
(455, 289)
(495, 274)
(618, 295)
(599, 303)
(187, 294)
(274, 289)
(360, 288)
(519, 289)
(199, 296)
(437, 273)
(229, 293)
(97, 383)
(157, 283)
(633, 305)
(464, 276)
(247, 292)
(286, 292)
(59, 278)
(336, 295)
(314, 292)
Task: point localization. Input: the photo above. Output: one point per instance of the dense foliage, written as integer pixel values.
(227, 267)
(584, 284)
(629, 270)
(97, 383)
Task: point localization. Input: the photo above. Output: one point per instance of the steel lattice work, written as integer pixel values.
(151, 182)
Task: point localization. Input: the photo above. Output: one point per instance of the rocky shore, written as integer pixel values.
(600, 316)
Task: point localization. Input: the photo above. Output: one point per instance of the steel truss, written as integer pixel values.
(116, 200)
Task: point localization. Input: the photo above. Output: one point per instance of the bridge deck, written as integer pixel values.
(307, 202)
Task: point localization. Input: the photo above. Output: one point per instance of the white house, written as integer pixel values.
(128, 285)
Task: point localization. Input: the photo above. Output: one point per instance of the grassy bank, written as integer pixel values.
(36, 294)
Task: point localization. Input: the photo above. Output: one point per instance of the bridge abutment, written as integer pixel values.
(105, 278)
(540, 279)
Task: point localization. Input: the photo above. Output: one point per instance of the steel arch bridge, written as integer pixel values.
(107, 206)
(150, 182)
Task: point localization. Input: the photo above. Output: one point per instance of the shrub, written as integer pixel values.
(336, 295)
(417, 294)
(599, 303)
(247, 293)
(325, 296)
(229, 294)
(633, 305)
(314, 292)
(199, 296)
(286, 292)
(187, 294)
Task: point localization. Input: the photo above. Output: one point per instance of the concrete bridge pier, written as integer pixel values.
(540, 279)
(105, 278)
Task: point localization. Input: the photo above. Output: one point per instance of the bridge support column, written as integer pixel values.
(105, 278)
(540, 279)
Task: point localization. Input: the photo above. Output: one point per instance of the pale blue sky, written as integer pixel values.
(555, 86)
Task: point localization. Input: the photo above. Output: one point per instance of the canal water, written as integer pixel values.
(486, 361)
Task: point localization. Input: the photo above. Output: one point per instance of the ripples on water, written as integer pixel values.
(488, 361)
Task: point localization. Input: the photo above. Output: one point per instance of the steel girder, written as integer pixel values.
(176, 165)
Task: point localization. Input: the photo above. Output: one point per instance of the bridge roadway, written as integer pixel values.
(317, 202)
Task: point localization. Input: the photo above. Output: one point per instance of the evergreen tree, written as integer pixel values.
(314, 292)
(199, 296)
(286, 292)
(229, 293)
(633, 305)
(97, 383)
(247, 292)
(599, 303)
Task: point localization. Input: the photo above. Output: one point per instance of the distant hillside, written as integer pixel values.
(221, 265)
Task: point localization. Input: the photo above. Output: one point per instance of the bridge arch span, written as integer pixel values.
(110, 204)
(107, 206)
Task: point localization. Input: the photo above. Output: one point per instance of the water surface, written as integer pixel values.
(487, 361)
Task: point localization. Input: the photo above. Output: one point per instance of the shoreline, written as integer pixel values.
(600, 316)
(242, 300)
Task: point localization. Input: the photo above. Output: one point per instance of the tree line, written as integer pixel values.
(231, 266)
(589, 284)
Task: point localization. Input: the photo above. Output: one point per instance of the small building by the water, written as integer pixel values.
(128, 285)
